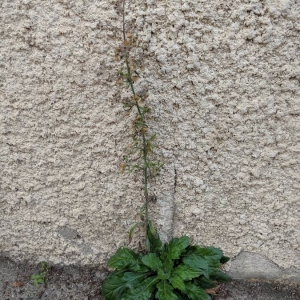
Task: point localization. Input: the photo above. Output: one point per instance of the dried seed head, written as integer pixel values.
(119, 81)
(122, 167)
(127, 43)
(134, 78)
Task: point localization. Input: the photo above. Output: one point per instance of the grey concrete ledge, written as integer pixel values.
(249, 265)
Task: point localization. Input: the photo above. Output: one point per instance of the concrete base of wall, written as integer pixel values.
(249, 265)
(257, 290)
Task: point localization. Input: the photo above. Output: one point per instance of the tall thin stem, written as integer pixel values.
(123, 14)
(144, 148)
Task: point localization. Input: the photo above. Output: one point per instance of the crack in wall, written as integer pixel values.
(167, 206)
(166, 202)
(173, 203)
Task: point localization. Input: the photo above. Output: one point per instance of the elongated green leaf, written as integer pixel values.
(139, 266)
(224, 259)
(154, 239)
(177, 282)
(142, 211)
(204, 283)
(196, 261)
(220, 277)
(180, 295)
(152, 137)
(144, 290)
(176, 247)
(147, 244)
(208, 266)
(165, 291)
(213, 266)
(196, 293)
(152, 261)
(213, 281)
(186, 272)
(123, 258)
(132, 229)
(163, 274)
(207, 252)
(127, 259)
(133, 279)
(168, 265)
(113, 287)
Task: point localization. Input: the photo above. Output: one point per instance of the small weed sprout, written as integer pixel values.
(41, 277)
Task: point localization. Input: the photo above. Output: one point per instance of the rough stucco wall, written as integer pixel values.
(223, 81)
(62, 194)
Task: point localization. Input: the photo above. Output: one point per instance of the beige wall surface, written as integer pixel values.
(223, 81)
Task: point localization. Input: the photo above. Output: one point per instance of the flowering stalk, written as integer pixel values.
(143, 143)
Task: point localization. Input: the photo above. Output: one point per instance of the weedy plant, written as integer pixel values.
(172, 271)
(42, 276)
(175, 270)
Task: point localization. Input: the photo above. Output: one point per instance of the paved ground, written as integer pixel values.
(74, 283)
(257, 290)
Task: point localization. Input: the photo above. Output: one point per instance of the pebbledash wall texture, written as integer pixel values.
(223, 82)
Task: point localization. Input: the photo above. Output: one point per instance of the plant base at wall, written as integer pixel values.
(176, 270)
